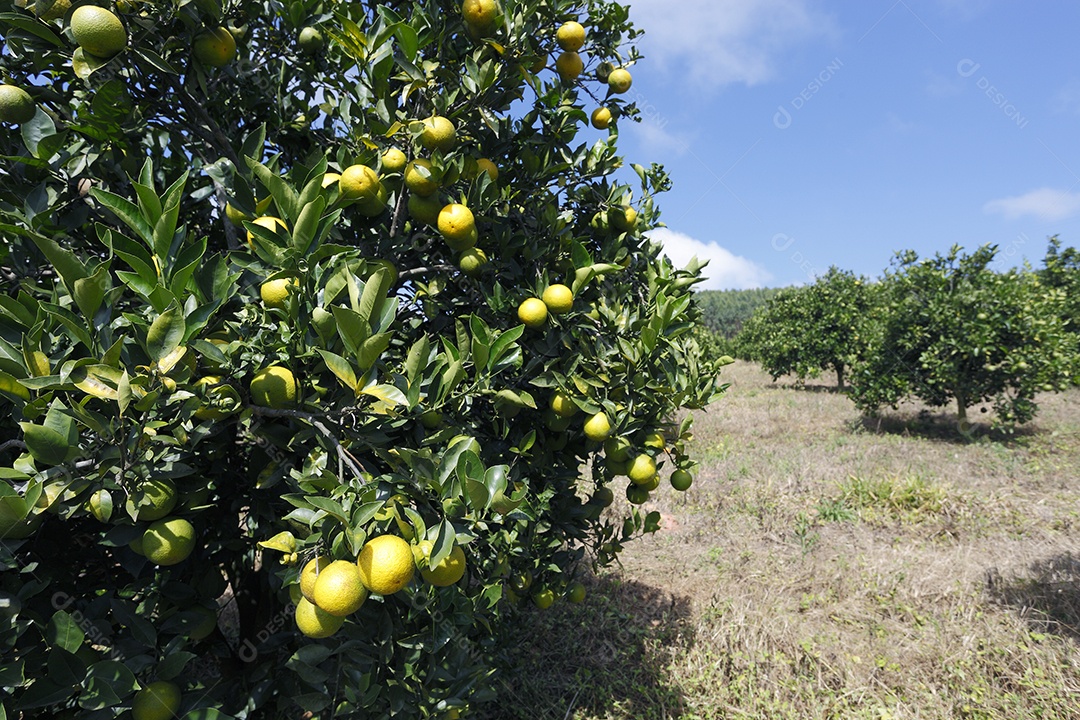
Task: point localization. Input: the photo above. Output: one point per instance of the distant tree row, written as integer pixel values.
(946, 329)
(724, 312)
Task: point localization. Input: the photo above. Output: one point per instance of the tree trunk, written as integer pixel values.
(840, 377)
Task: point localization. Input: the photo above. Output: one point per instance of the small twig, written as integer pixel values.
(12, 444)
(343, 454)
(396, 222)
(423, 270)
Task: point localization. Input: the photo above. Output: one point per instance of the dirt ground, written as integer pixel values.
(827, 566)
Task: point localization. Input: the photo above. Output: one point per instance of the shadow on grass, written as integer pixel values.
(1047, 596)
(605, 657)
(816, 388)
(942, 427)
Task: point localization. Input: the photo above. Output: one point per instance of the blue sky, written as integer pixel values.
(804, 134)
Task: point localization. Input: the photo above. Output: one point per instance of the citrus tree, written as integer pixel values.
(954, 330)
(1061, 269)
(329, 333)
(804, 330)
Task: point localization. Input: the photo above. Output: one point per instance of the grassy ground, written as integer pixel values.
(823, 567)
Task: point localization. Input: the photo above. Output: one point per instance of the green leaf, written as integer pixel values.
(282, 542)
(66, 263)
(124, 394)
(371, 349)
(34, 27)
(128, 212)
(408, 41)
(284, 196)
(173, 664)
(387, 394)
(443, 544)
(503, 344)
(374, 295)
(352, 328)
(165, 229)
(330, 507)
(341, 369)
(101, 381)
(149, 203)
(46, 445)
(418, 358)
(90, 291)
(35, 132)
(106, 683)
(307, 224)
(63, 632)
(166, 333)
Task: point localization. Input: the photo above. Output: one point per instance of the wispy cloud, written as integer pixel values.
(1044, 203)
(717, 42)
(725, 271)
(656, 137)
(1067, 99)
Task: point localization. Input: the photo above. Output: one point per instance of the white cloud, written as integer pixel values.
(1067, 99)
(655, 136)
(725, 270)
(1044, 203)
(716, 42)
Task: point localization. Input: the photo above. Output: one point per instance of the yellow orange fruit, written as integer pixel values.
(419, 177)
(533, 312)
(310, 573)
(570, 36)
(439, 133)
(485, 165)
(273, 224)
(642, 468)
(457, 225)
(275, 293)
(338, 589)
(386, 564)
(16, 105)
(169, 541)
(98, 31)
(358, 182)
(563, 406)
(157, 701)
(480, 13)
(601, 118)
(558, 298)
(569, 66)
(215, 48)
(273, 387)
(598, 427)
(394, 160)
(447, 572)
(314, 622)
(619, 80)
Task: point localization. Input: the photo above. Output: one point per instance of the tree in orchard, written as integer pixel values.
(804, 330)
(954, 330)
(1061, 269)
(328, 335)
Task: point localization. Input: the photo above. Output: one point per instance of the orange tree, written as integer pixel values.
(327, 332)
(956, 330)
(804, 330)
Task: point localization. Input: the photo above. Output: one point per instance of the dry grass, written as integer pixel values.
(823, 567)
